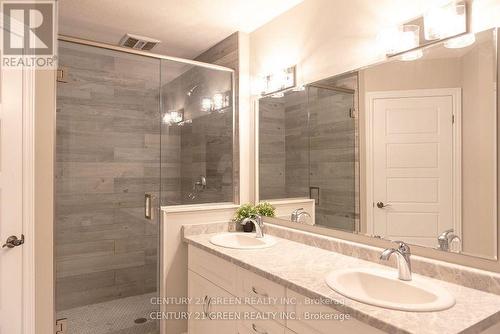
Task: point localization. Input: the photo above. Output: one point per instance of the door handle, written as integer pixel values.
(381, 205)
(13, 241)
(148, 206)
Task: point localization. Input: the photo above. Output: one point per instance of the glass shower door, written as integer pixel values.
(107, 159)
(332, 149)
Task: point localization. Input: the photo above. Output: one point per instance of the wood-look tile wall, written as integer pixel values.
(107, 158)
(307, 139)
(205, 142)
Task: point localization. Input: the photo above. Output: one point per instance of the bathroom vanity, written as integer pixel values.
(291, 275)
(220, 290)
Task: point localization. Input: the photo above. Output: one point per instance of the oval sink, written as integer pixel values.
(382, 288)
(242, 241)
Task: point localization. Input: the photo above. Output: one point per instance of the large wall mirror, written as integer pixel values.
(404, 150)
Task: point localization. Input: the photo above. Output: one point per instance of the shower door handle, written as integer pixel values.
(148, 206)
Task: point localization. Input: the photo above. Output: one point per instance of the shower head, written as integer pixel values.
(191, 91)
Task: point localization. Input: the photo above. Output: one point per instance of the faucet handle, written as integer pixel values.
(258, 218)
(403, 247)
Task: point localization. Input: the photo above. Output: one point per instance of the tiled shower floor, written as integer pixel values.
(112, 317)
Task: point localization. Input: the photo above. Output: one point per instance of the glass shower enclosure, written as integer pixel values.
(134, 132)
(307, 149)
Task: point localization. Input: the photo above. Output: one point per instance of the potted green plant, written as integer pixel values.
(248, 210)
(265, 209)
(245, 211)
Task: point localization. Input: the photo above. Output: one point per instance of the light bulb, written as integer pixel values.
(218, 101)
(206, 104)
(460, 42)
(446, 21)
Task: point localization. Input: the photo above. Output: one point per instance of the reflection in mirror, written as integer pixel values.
(307, 149)
(402, 150)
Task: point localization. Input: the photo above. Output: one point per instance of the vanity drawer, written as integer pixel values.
(220, 272)
(249, 325)
(307, 325)
(209, 314)
(261, 293)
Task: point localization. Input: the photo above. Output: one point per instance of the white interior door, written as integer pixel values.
(413, 165)
(11, 200)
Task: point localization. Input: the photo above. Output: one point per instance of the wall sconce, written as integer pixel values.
(173, 117)
(279, 81)
(438, 24)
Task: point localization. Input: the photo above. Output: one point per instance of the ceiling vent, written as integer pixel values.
(138, 42)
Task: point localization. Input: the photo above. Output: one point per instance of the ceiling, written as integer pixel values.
(185, 27)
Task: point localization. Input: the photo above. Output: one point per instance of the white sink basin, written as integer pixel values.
(242, 241)
(382, 288)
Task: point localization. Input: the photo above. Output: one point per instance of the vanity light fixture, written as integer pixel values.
(279, 81)
(438, 24)
(412, 55)
(206, 104)
(218, 102)
(299, 88)
(278, 95)
(460, 42)
(173, 116)
(445, 21)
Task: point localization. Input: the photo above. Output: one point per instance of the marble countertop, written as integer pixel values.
(303, 268)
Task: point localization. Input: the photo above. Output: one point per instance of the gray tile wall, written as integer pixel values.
(205, 146)
(107, 158)
(307, 139)
(333, 158)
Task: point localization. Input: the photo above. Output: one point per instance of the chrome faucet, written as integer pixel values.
(297, 214)
(259, 225)
(446, 238)
(403, 257)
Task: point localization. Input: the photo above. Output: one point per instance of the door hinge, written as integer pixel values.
(62, 74)
(352, 113)
(62, 326)
(453, 118)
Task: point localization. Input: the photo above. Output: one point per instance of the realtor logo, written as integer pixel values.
(28, 33)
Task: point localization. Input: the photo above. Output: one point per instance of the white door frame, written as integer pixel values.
(24, 102)
(456, 94)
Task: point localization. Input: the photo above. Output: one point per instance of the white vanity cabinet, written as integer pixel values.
(221, 293)
(206, 309)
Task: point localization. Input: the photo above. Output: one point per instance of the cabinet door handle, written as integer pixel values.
(205, 306)
(256, 330)
(209, 314)
(263, 294)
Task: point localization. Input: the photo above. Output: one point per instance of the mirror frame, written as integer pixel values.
(476, 261)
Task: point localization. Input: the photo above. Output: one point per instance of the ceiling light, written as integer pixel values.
(460, 42)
